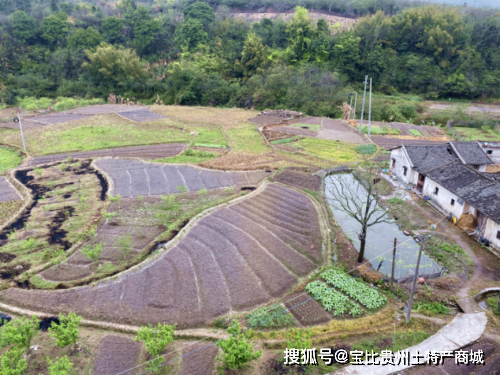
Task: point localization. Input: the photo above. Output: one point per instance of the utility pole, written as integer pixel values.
(20, 127)
(363, 107)
(350, 108)
(393, 262)
(370, 108)
(355, 101)
(414, 282)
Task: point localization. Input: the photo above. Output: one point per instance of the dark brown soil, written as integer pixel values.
(143, 152)
(219, 265)
(116, 355)
(306, 310)
(264, 120)
(298, 180)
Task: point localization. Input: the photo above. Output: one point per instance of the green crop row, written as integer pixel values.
(366, 296)
(333, 301)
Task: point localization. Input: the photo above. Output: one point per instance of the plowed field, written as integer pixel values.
(143, 152)
(236, 258)
(133, 179)
(140, 115)
(116, 355)
(7, 192)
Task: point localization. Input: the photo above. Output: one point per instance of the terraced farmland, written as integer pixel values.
(236, 258)
(133, 179)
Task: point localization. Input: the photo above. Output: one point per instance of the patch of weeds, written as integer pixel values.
(270, 317)
(125, 245)
(40, 283)
(285, 140)
(366, 149)
(202, 191)
(448, 254)
(115, 199)
(493, 303)
(415, 132)
(431, 308)
(30, 244)
(9, 159)
(108, 215)
(182, 189)
(38, 171)
(395, 200)
(92, 252)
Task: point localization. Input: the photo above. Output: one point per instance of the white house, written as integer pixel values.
(492, 149)
(451, 175)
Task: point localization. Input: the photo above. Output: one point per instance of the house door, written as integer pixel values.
(420, 183)
(393, 165)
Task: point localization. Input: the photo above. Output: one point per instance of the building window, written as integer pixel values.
(476, 166)
(452, 202)
(404, 171)
(436, 191)
(421, 177)
(498, 235)
(489, 152)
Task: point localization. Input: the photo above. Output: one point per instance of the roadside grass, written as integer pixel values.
(98, 132)
(475, 134)
(9, 159)
(315, 127)
(329, 150)
(190, 156)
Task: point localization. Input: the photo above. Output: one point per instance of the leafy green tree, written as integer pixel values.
(253, 59)
(19, 332)
(156, 340)
(237, 351)
(190, 34)
(53, 6)
(84, 39)
(66, 332)
(346, 53)
(12, 362)
(322, 26)
(113, 66)
(111, 28)
(61, 366)
(300, 34)
(200, 11)
(54, 27)
(24, 27)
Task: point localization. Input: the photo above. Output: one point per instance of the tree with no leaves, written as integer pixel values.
(358, 200)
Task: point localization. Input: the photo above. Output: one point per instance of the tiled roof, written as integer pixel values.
(474, 188)
(471, 153)
(428, 157)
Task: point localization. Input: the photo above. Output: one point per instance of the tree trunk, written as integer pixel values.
(362, 238)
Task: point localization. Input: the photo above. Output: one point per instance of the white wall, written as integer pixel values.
(402, 161)
(491, 231)
(443, 198)
(495, 156)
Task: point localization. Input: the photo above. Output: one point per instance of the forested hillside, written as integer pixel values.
(189, 53)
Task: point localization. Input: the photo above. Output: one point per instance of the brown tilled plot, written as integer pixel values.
(7, 191)
(199, 358)
(298, 180)
(116, 355)
(391, 142)
(143, 152)
(235, 258)
(140, 115)
(133, 179)
(306, 310)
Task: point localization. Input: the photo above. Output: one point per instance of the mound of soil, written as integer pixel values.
(298, 180)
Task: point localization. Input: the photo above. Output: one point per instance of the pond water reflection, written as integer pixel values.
(380, 237)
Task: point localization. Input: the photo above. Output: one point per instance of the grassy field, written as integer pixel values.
(476, 134)
(190, 156)
(9, 159)
(329, 150)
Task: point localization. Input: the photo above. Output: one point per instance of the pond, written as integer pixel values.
(380, 237)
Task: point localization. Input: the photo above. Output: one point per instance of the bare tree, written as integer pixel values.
(355, 194)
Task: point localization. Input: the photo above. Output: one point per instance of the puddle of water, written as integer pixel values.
(380, 237)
